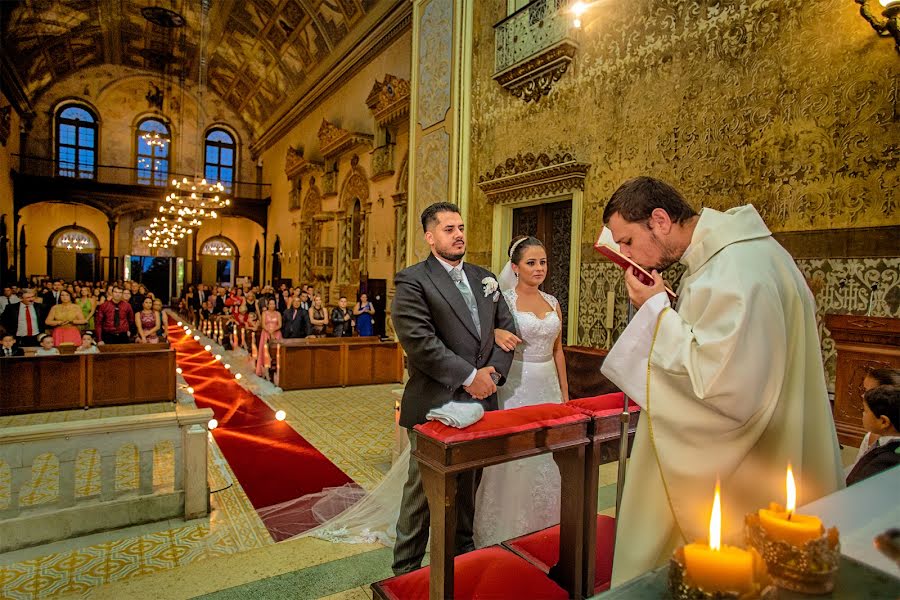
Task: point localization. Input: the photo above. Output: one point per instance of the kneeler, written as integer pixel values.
(501, 436)
(541, 547)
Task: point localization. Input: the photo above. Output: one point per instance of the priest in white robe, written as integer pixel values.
(730, 378)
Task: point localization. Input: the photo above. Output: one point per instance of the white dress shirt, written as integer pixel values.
(22, 329)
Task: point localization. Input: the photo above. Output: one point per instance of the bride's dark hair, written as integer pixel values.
(518, 244)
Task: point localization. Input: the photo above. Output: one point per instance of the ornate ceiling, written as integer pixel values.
(258, 50)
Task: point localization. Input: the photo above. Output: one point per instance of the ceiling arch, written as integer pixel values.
(258, 51)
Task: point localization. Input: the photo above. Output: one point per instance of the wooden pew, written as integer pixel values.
(304, 363)
(41, 383)
(131, 377)
(69, 381)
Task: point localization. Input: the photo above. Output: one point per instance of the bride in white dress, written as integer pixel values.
(513, 498)
(519, 497)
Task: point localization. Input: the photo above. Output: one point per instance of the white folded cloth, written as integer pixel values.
(457, 414)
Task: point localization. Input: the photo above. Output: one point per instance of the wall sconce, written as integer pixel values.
(888, 24)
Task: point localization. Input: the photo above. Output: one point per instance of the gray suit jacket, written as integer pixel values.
(435, 328)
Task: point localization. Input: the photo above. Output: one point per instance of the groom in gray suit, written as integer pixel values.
(445, 315)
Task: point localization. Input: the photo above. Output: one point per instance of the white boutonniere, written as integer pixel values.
(490, 286)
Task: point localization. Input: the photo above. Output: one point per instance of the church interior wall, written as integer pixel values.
(756, 102)
(7, 162)
(42, 219)
(117, 94)
(347, 109)
(243, 232)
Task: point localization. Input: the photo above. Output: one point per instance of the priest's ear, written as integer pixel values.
(660, 221)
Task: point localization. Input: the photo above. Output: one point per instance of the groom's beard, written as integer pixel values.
(451, 255)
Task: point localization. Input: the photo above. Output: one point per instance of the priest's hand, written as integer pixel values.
(639, 292)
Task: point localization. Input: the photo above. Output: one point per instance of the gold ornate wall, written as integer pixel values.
(794, 107)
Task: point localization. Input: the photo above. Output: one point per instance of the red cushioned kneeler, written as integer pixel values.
(600, 405)
(541, 549)
(504, 422)
(492, 572)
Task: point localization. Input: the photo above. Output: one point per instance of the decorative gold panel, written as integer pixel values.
(793, 107)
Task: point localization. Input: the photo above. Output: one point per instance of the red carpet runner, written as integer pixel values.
(272, 462)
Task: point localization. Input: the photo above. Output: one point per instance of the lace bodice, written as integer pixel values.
(539, 332)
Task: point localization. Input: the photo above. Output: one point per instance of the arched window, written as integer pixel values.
(220, 157)
(76, 142)
(153, 143)
(217, 247)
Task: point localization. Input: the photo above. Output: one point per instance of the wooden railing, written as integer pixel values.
(60, 480)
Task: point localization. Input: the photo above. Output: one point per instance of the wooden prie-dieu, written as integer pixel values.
(501, 436)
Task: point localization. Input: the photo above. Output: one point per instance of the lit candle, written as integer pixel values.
(718, 568)
(785, 525)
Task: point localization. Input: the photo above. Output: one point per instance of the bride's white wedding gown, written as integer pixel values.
(519, 497)
(513, 498)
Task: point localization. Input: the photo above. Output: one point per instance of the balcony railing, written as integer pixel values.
(119, 175)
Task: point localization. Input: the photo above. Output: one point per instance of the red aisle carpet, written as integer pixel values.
(272, 462)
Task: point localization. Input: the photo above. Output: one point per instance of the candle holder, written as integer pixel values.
(681, 588)
(809, 569)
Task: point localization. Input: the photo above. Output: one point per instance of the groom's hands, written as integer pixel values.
(483, 385)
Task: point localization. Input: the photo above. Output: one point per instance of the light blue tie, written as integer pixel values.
(457, 276)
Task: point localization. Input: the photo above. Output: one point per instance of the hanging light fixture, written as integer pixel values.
(191, 201)
(153, 138)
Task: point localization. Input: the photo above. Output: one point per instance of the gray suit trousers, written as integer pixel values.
(414, 521)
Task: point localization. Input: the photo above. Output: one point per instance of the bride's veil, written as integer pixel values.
(346, 514)
(507, 278)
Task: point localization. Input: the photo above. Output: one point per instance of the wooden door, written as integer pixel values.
(552, 224)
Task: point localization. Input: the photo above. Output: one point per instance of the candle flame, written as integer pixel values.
(715, 522)
(791, 491)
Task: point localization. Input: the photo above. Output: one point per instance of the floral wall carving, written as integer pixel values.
(436, 43)
(751, 101)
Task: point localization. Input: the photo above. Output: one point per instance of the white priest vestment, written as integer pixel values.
(732, 386)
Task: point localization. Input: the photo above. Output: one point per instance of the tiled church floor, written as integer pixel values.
(230, 554)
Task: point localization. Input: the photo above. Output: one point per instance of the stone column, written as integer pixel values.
(111, 269)
(440, 111)
(401, 213)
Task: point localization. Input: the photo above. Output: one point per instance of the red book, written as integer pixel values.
(606, 246)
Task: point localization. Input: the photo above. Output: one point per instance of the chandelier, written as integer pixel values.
(73, 241)
(152, 138)
(195, 199)
(164, 232)
(216, 248)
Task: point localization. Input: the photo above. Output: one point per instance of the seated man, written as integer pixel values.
(295, 320)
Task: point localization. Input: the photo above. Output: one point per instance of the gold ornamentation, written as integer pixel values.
(534, 78)
(334, 141)
(295, 164)
(389, 100)
(809, 569)
(533, 176)
(888, 24)
(383, 162)
(435, 59)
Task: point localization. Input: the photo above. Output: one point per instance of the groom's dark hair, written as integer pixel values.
(429, 215)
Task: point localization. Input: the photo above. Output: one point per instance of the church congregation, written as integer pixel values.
(403, 299)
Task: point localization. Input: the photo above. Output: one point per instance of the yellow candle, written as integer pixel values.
(717, 568)
(784, 524)
(788, 526)
(725, 569)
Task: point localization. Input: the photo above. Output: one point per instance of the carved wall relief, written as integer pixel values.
(435, 56)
